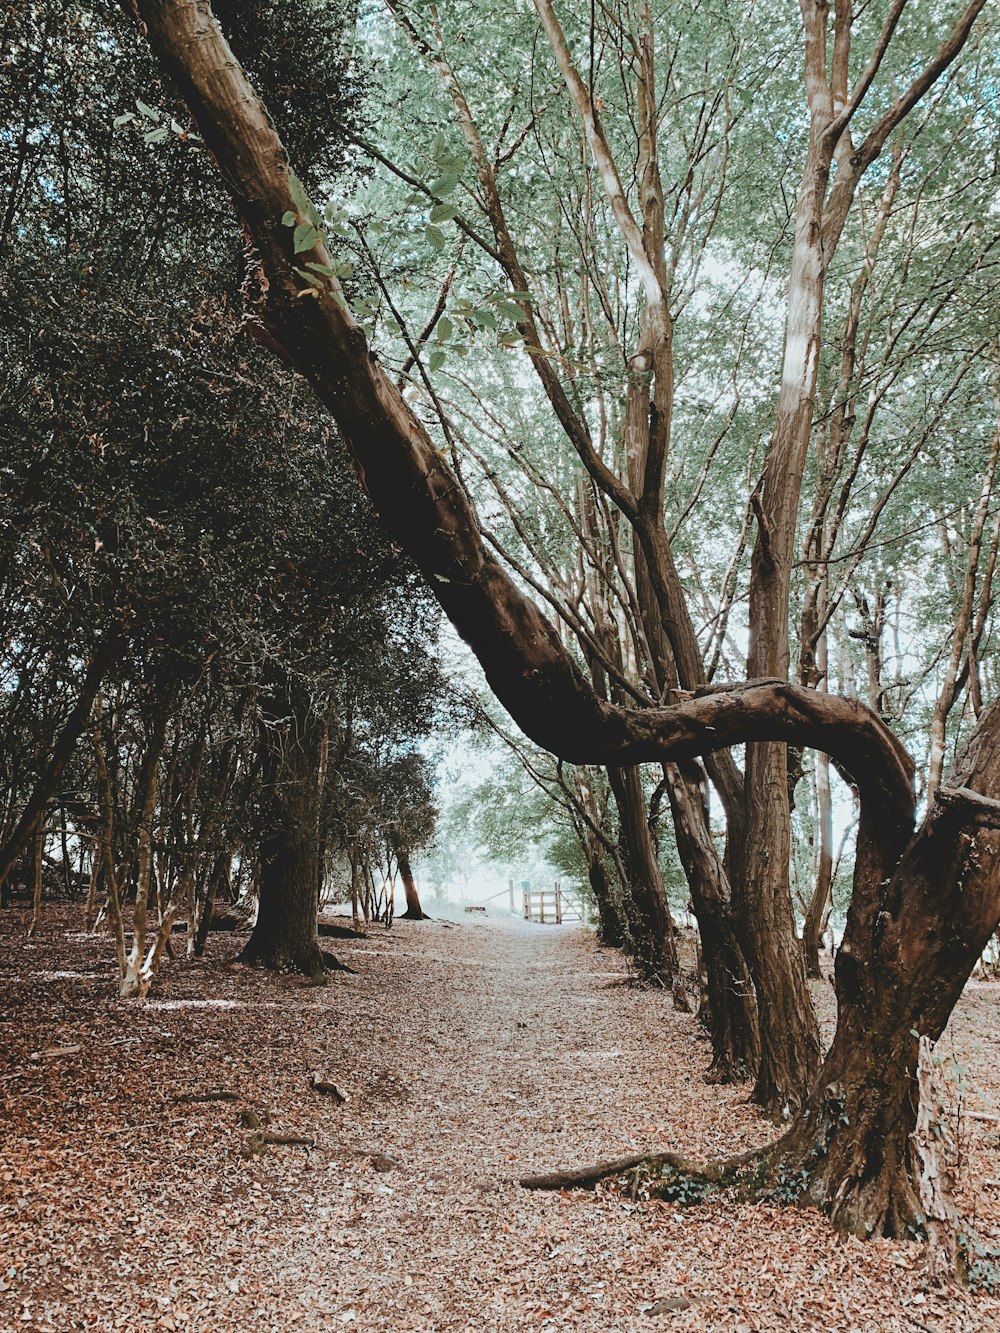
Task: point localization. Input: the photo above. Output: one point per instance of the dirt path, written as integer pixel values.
(472, 1052)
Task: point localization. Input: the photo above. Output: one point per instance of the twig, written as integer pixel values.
(215, 1095)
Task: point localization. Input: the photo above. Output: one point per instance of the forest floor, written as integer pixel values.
(472, 1052)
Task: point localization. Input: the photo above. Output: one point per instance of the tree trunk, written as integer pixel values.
(285, 937)
(731, 1011)
(819, 904)
(414, 912)
(908, 950)
(650, 925)
(62, 748)
(611, 922)
(205, 903)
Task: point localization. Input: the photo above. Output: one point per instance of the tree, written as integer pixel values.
(909, 947)
(201, 612)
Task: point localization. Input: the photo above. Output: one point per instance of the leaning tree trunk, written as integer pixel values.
(285, 937)
(414, 912)
(77, 720)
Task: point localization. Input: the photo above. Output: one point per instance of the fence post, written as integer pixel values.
(558, 904)
(510, 890)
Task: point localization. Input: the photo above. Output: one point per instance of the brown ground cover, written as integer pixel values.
(471, 1052)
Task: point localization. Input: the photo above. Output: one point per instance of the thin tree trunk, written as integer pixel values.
(731, 1010)
(963, 622)
(36, 897)
(134, 983)
(63, 747)
(819, 904)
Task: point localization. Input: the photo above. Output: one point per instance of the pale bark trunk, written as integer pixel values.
(963, 623)
(36, 896)
(819, 904)
(134, 982)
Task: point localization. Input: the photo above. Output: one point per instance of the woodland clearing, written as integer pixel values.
(471, 1052)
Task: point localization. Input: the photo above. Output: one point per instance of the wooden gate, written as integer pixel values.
(552, 906)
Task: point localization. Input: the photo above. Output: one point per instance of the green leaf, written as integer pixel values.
(442, 213)
(437, 147)
(155, 136)
(436, 359)
(289, 219)
(484, 318)
(327, 270)
(313, 279)
(299, 197)
(508, 310)
(445, 184)
(304, 237)
(149, 112)
(434, 237)
(126, 119)
(444, 329)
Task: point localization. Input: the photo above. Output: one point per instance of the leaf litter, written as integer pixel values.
(168, 1165)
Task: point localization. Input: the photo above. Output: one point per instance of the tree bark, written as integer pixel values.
(731, 1010)
(62, 748)
(819, 903)
(611, 921)
(414, 912)
(649, 923)
(285, 937)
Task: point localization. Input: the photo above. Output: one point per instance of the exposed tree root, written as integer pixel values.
(214, 1095)
(314, 963)
(780, 1172)
(657, 1170)
(329, 929)
(259, 1142)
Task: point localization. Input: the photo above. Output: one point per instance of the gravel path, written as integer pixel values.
(472, 1052)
